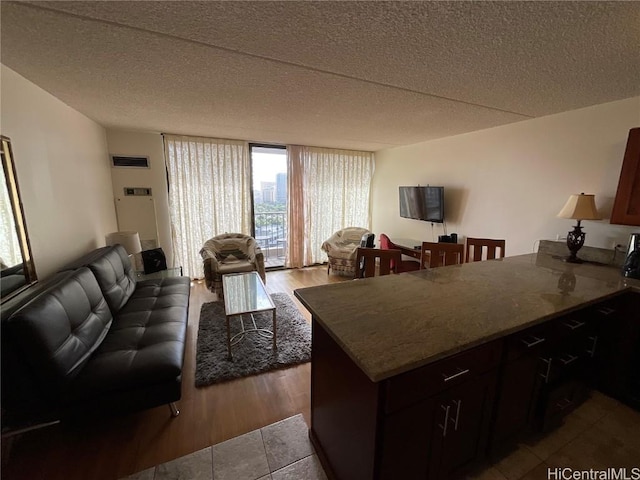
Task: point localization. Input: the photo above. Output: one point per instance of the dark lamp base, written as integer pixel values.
(575, 240)
(572, 260)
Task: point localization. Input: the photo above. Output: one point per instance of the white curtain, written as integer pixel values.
(10, 254)
(209, 194)
(329, 190)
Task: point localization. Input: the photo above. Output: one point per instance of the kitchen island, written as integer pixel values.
(411, 373)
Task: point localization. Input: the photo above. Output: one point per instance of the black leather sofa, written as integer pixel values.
(11, 279)
(93, 341)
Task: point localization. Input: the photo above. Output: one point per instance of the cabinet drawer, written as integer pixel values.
(411, 387)
(557, 402)
(575, 326)
(531, 341)
(611, 310)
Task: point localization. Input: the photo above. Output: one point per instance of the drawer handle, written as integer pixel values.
(446, 419)
(568, 359)
(547, 374)
(592, 352)
(574, 324)
(606, 310)
(455, 375)
(564, 404)
(458, 405)
(536, 341)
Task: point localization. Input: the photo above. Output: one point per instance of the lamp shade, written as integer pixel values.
(580, 207)
(129, 240)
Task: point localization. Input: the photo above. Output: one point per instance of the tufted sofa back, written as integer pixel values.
(114, 273)
(58, 330)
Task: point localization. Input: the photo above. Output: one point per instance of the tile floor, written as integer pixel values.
(280, 451)
(599, 434)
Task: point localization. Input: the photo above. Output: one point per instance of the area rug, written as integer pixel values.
(254, 354)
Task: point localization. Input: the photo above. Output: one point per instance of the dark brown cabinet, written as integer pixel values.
(431, 422)
(565, 370)
(520, 381)
(436, 421)
(447, 431)
(626, 206)
(545, 375)
(617, 353)
(462, 426)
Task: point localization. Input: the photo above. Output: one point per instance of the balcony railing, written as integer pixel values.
(271, 234)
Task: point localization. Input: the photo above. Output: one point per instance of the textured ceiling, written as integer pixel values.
(360, 75)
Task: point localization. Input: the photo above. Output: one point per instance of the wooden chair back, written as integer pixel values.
(367, 258)
(441, 254)
(476, 246)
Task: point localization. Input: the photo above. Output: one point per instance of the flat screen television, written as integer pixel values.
(422, 203)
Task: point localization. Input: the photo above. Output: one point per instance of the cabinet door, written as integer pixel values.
(618, 349)
(564, 371)
(558, 400)
(609, 364)
(464, 440)
(408, 441)
(519, 384)
(626, 207)
(517, 397)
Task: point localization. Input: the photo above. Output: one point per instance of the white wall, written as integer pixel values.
(511, 181)
(121, 142)
(63, 173)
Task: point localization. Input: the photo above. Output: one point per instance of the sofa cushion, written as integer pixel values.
(145, 345)
(57, 331)
(235, 267)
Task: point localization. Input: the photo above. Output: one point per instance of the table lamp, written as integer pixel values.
(131, 243)
(129, 240)
(578, 207)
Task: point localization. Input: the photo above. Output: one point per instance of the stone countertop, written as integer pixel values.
(392, 324)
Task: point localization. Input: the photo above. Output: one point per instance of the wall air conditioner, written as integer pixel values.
(137, 213)
(129, 161)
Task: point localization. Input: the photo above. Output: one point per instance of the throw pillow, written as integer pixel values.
(230, 254)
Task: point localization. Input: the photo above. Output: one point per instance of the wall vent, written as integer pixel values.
(138, 191)
(129, 161)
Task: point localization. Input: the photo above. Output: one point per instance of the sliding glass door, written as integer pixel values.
(269, 185)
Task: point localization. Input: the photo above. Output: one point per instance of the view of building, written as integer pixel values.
(281, 187)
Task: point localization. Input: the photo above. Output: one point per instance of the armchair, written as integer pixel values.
(341, 250)
(403, 265)
(230, 253)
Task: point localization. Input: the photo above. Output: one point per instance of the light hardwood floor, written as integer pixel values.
(114, 448)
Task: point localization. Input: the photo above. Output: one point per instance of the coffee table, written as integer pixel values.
(244, 293)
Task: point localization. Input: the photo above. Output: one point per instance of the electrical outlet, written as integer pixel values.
(560, 237)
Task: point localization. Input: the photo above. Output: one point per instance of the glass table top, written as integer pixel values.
(245, 293)
(169, 272)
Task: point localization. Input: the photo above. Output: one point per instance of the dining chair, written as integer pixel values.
(441, 254)
(403, 265)
(368, 258)
(480, 245)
